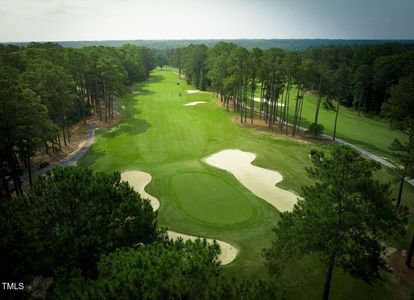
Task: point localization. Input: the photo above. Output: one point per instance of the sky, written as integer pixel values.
(64, 20)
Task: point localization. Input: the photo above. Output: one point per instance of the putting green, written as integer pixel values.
(211, 199)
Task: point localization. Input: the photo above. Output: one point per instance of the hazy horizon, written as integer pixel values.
(206, 39)
(112, 20)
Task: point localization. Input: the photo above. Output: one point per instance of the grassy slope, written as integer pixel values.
(159, 135)
(368, 133)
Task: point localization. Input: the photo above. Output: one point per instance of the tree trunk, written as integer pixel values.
(29, 168)
(16, 170)
(328, 277)
(318, 105)
(300, 109)
(47, 148)
(97, 102)
(336, 118)
(6, 187)
(68, 133)
(283, 113)
(261, 99)
(287, 107)
(64, 136)
(82, 92)
(58, 139)
(112, 107)
(295, 117)
(410, 252)
(400, 190)
(105, 97)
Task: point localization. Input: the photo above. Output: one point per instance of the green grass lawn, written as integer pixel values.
(371, 134)
(159, 135)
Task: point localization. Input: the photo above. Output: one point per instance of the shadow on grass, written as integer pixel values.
(131, 127)
(141, 90)
(91, 157)
(154, 79)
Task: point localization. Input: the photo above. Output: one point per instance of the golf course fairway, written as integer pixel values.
(161, 136)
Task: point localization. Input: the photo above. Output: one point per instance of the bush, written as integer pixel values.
(318, 128)
(313, 152)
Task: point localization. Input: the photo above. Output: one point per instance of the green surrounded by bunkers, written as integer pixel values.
(160, 135)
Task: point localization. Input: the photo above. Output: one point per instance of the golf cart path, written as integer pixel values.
(73, 158)
(370, 155)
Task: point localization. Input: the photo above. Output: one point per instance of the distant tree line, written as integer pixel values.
(287, 44)
(356, 76)
(45, 88)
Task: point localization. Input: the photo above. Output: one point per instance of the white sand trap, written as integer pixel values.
(227, 252)
(259, 181)
(138, 180)
(258, 100)
(195, 103)
(193, 91)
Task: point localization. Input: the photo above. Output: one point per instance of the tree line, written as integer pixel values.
(355, 76)
(45, 88)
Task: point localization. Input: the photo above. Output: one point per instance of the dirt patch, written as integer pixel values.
(401, 275)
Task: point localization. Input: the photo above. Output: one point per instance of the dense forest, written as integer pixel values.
(287, 44)
(46, 88)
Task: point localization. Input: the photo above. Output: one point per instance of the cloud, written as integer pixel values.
(3, 12)
(57, 11)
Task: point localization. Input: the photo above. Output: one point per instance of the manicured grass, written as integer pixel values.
(371, 134)
(209, 198)
(159, 135)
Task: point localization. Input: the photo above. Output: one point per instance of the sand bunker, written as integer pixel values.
(195, 103)
(259, 181)
(138, 180)
(227, 252)
(193, 91)
(258, 100)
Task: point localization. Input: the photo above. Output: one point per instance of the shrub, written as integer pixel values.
(318, 128)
